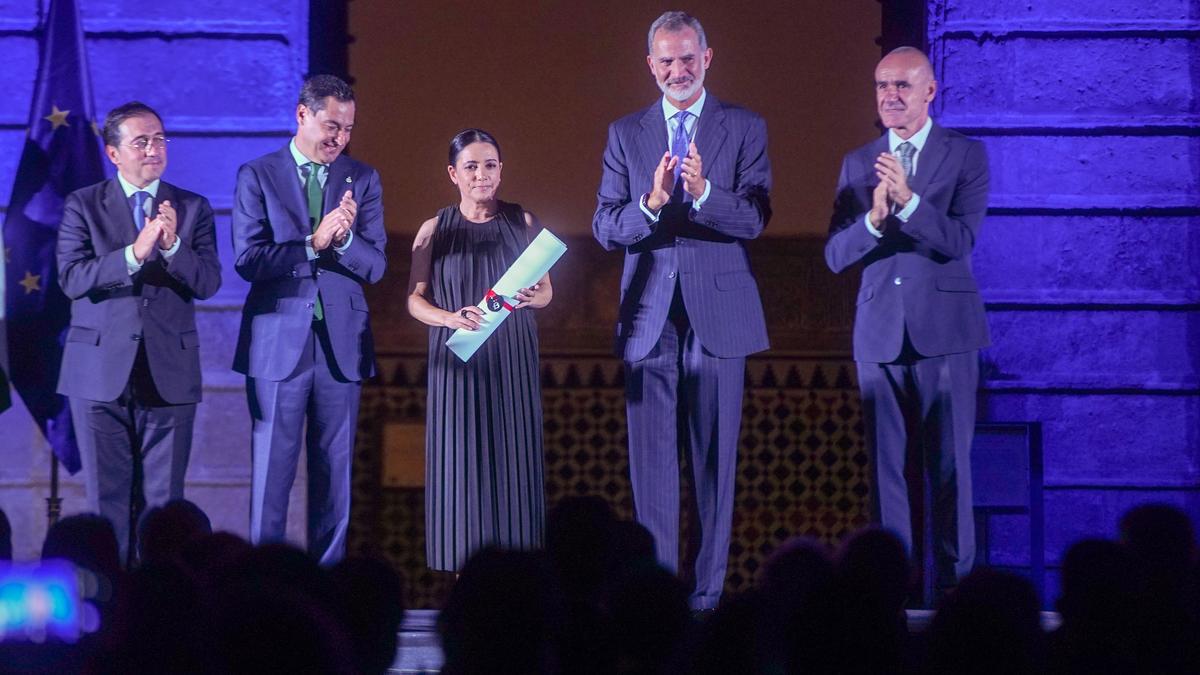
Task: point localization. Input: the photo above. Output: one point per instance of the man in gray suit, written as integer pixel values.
(909, 207)
(307, 233)
(134, 253)
(686, 182)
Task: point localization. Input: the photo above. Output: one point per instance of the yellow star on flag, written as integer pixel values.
(31, 282)
(57, 117)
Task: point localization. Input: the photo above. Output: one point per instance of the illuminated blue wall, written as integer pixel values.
(1090, 258)
(222, 73)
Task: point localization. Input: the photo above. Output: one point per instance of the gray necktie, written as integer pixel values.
(906, 151)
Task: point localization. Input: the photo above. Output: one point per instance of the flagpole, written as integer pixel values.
(53, 502)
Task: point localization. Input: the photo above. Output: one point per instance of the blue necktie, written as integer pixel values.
(137, 202)
(679, 144)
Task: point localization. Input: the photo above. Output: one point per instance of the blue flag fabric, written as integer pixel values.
(5, 399)
(62, 153)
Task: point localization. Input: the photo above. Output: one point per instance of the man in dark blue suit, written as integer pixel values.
(134, 254)
(909, 206)
(307, 233)
(686, 181)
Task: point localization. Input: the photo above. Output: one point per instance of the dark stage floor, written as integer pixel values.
(419, 651)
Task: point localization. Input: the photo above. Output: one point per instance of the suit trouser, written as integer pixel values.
(936, 397)
(139, 435)
(318, 403)
(681, 390)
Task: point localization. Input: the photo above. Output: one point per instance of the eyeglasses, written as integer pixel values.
(144, 143)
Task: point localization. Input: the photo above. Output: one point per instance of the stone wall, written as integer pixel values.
(1089, 259)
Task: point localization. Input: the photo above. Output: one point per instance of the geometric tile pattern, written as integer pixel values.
(801, 467)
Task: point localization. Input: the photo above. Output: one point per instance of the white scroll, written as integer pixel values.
(533, 264)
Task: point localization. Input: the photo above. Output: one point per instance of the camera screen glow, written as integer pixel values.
(39, 601)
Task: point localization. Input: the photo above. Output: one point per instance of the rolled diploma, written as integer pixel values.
(533, 264)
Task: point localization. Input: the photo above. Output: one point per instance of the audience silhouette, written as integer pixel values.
(164, 530)
(596, 601)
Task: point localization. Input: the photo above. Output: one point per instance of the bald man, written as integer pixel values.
(909, 206)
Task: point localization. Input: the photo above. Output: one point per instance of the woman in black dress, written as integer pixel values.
(483, 429)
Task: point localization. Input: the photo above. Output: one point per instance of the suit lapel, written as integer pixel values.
(710, 136)
(285, 180)
(879, 146)
(337, 182)
(117, 212)
(868, 154)
(932, 154)
(166, 193)
(651, 144)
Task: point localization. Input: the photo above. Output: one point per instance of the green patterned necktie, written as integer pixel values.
(312, 188)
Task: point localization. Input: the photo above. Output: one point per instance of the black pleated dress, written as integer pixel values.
(483, 432)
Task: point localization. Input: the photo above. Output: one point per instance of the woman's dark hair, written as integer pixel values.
(468, 136)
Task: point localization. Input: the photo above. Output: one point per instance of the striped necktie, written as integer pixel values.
(680, 142)
(906, 151)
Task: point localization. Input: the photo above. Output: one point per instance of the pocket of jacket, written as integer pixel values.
(729, 281)
(957, 285)
(83, 334)
(189, 340)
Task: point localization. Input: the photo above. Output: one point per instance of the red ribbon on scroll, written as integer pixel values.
(495, 302)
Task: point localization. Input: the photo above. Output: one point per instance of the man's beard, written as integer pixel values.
(681, 95)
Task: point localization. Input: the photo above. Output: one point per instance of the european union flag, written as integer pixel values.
(62, 153)
(5, 397)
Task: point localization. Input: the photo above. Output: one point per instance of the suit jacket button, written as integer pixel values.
(145, 302)
(309, 305)
(896, 281)
(135, 337)
(671, 275)
(293, 273)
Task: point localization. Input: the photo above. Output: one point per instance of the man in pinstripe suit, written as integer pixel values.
(685, 182)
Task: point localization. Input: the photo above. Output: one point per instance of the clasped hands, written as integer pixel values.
(892, 190)
(336, 224)
(469, 318)
(692, 175)
(158, 232)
